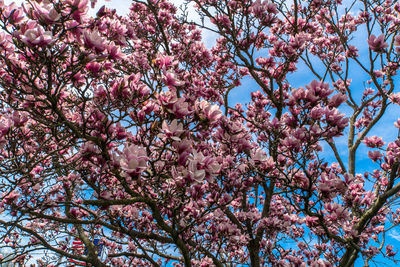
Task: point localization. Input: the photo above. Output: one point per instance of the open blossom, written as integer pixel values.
(330, 185)
(335, 118)
(46, 12)
(37, 36)
(373, 141)
(208, 163)
(377, 44)
(180, 108)
(337, 100)
(194, 173)
(171, 80)
(261, 8)
(114, 52)
(172, 131)
(207, 111)
(317, 90)
(165, 62)
(133, 160)
(93, 41)
(80, 7)
(259, 156)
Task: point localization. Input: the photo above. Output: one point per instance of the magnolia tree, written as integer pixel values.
(119, 128)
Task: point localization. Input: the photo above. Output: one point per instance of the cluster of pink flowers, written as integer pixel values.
(125, 127)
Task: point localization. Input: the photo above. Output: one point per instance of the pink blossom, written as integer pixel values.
(114, 52)
(373, 141)
(317, 90)
(133, 160)
(80, 7)
(260, 8)
(171, 80)
(375, 155)
(317, 112)
(207, 111)
(172, 131)
(333, 117)
(259, 156)
(165, 62)
(37, 36)
(330, 185)
(16, 14)
(194, 173)
(93, 41)
(46, 12)
(337, 100)
(377, 44)
(311, 221)
(93, 67)
(119, 131)
(180, 108)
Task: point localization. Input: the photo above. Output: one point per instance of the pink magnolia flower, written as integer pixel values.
(373, 141)
(259, 156)
(207, 111)
(333, 117)
(330, 185)
(311, 221)
(337, 100)
(93, 67)
(374, 155)
(180, 108)
(15, 13)
(317, 90)
(118, 131)
(172, 131)
(377, 44)
(46, 12)
(114, 52)
(80, 7)
(171, 81)
(165, 62)
(133, 160)
(37, 36)
(79, 4)
(93, 41)
(194, 173)
(89, 148)
(317, 112)
(261, 8)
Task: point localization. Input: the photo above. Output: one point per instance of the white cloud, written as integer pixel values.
(395, 235)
